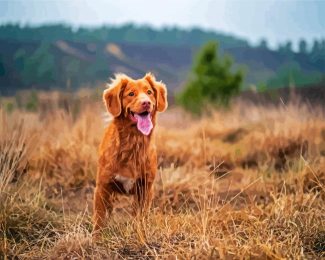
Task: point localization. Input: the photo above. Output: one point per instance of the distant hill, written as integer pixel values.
(127, 33)
(56, 56)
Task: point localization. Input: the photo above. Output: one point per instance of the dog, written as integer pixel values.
(127, 161)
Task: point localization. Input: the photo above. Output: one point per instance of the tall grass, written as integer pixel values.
(244, 183)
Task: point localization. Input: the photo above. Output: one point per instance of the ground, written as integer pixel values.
(247, 182)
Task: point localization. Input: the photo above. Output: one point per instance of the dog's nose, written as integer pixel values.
(146, 104)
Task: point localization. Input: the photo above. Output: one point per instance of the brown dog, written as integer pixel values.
(127, 154)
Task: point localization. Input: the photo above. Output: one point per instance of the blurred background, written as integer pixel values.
(260, 49)
(241, 148)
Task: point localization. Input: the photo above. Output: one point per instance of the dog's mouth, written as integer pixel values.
(133, 115)
(143, 120)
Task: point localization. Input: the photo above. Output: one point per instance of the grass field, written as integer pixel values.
(243, 183)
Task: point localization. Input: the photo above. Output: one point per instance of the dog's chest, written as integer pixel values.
(126, 182)
(134, 155)
(133, 162)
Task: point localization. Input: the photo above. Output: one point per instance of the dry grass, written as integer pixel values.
(245, 183)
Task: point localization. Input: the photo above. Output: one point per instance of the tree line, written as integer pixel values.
(29, 56)
(126, 33)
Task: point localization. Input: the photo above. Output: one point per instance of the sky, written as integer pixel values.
(275, 20)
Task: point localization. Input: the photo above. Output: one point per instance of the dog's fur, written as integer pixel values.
(127, 158)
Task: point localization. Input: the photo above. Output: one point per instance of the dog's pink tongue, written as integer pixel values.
(144, 123)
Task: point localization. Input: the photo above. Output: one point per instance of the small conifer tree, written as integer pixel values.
(212, 81)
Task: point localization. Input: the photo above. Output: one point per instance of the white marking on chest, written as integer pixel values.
(126, 182)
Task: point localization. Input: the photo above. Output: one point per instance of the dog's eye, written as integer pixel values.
(149, 92)
(131, 94)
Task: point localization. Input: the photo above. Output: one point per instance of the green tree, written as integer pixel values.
(316, 48)
(39, 68)
(212, 81)
(286, 49)
(302, 47)
(263, 44)
(32, 103)
(72, 70)
(291, 74)
(2, 67)
(98, 69)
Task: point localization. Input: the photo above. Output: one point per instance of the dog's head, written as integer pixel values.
(136, 100)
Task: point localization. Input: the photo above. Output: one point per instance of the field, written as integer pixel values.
(242, 183)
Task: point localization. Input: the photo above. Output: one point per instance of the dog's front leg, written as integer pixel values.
(103, 203)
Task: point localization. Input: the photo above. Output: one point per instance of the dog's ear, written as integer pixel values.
(160, 92)
(112, 95)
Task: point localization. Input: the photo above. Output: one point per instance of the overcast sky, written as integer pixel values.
(275, 20)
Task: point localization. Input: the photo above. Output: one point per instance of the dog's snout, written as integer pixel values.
(146, 104)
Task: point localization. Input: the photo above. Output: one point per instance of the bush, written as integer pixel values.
(32, 104)
(212, 81)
